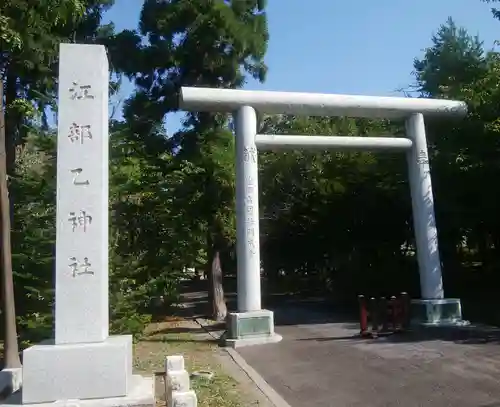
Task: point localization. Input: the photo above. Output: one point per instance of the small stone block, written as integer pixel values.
(178, 380)
(183, 399)
(174, 363)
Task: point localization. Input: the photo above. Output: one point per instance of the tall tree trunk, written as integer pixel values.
(219, 301)
(11, 347)
(13, 128)
(216, 295)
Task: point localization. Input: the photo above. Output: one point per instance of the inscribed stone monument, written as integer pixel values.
(83, 363)
(82, 197)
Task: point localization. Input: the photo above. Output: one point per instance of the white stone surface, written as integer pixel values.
(284, 142)
(314, 104)
(247, 211)
(178, 380)
(77, 371)
(141, 394)
(183, 399)
(424, 220)
(174, 362)
(253, 340)
(82, 196)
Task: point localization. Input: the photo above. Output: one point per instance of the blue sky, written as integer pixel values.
(356, 47)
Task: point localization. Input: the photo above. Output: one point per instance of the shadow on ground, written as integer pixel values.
(464, 335)
(322, 361)
(182, 329)
(181, 340)
(340, 321)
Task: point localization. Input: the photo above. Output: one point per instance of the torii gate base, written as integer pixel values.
(252, 325)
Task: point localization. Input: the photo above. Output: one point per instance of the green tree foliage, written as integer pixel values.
(30, 33)
(196, 43)
(33, 235)
(334, 222)
(326, 209)
(494, 10)
(147, 239)
(466, 153)
(366, 227)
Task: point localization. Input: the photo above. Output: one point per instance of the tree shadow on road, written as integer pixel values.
(469, 335)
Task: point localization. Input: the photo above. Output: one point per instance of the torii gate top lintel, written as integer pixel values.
(315, 104)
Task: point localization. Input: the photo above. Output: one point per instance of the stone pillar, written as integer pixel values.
(250, 325)
(82, 197)
(247, 211)
(424, 223)
(434, 307)
(83, 362)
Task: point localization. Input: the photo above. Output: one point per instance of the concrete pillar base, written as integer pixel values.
(141, 394)
(251, 328)
(437, 312)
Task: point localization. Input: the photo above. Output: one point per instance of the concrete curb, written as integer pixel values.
(259, 381)
(252, 374)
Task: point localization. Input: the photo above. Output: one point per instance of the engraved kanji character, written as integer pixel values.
(77, 172)
(250, 154)
(79, 132)
(83, 219)
(80, 268)
(80, 91)
(422, 157)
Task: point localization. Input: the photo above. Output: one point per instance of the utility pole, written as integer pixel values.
(11, 347)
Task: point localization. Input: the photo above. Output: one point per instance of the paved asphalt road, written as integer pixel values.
(320, 363)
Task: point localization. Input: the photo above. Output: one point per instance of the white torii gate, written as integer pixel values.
(252, 325)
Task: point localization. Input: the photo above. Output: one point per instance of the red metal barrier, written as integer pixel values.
(374, 313)
(363, 316)
(384, 316)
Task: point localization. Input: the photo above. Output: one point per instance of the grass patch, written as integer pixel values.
(200, 353)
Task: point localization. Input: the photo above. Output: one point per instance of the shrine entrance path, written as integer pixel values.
(321, 363)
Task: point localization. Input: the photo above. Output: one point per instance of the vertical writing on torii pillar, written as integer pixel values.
(82, 196)
(250, 158)
(423, 162)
